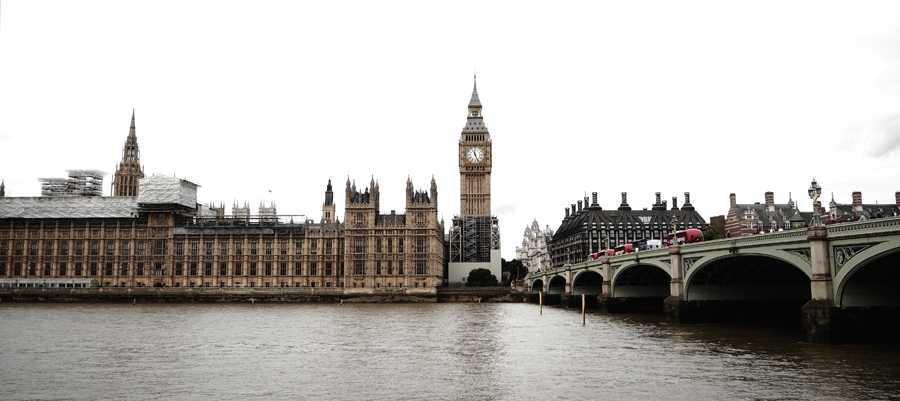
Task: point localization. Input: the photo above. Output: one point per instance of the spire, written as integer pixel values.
(131, 131)
(2, 187)
(475, 102)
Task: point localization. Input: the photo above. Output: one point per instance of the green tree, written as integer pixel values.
(481, 277)
(711, 233)
(515, 268)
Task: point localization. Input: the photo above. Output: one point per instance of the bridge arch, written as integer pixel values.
(869, 278)
(556, 285)
(587, 282)
(537, 286)
(641, 280)
(744, 276)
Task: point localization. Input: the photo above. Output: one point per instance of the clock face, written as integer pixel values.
(475, 154)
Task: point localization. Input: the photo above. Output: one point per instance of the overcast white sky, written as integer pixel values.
(250, 97)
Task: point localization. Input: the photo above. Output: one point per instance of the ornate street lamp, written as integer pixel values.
(674, 229)
(814, 191)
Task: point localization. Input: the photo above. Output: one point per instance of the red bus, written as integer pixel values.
(623, 249)
(598, 255)
(688, 236)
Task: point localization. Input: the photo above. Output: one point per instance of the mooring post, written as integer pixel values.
(582, 309)
(541, 301)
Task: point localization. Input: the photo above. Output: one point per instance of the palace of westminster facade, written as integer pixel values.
(151, 232)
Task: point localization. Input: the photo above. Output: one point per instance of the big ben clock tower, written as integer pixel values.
(475, 162)
(475, 234)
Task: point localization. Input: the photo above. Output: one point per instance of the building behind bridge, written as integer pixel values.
(589, 229)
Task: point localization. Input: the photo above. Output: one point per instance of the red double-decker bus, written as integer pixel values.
(688, 236)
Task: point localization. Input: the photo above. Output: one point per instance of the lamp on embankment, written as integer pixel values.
(814, 191)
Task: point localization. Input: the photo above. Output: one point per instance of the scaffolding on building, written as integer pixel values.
(473, 237)
(79, 183)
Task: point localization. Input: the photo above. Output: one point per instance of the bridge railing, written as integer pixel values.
(874, 226)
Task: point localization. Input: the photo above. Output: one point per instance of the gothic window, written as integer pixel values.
(209, 247)
(62, 270)
(252, 268)
(223, 269)
(193, 268)
(140, 249)
(160, 247)
(238, 269)
(284, 247)
(253, 246)
(358, 245)
(313, 269)
(328, 247)
(140, 269)
(238, 247)
(358, 268)
(328, 268)
(195, 247)
(179, 269)
(268, 268)
(110, 248)
(313, 247)
(420, 267)
(207, 268)
(223, 247)
(109, 269)
(48, 248)
(124, 270)
(282, 269)
(95, 248)
(126, 248)
(298, 247)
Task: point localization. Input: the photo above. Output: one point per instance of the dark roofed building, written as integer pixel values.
(842, 212)
(753, 218)
(589, 229)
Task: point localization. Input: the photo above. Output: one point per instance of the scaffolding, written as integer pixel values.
(473, 237)
(79, 183)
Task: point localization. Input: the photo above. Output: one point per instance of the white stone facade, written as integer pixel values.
(534, 252)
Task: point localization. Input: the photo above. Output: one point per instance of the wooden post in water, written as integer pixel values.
(582, 309)
(541, 301)
(134, 302)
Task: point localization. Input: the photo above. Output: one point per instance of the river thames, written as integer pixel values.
(84, 351)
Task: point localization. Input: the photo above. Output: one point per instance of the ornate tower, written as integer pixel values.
(328, 210)
(475, 162)
(125, 180)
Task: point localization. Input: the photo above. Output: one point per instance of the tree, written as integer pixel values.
(515, 268)
(481, 277)
(711, 233)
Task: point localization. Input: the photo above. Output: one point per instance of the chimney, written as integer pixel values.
(595, 204)
(897, 198)
(857, 199)
(687, 198)
(624, 205)
(579, 206)
(567, 213)
(658, 200)
(770, 198)
(733, 200)
(674, 203)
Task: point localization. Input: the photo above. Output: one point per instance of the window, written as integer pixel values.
(238, 247)
(390, 245)
(207, 268)
(160, 268)
(179, 269)
(126, 248)
(400, 245)
(297, 269)
(298, 247)
(161, 217)
(78, 269)
(110, 248)
(328, 268)
(32, 269)
(268, 248)
(358, 245)
(195, 247)
(62, 270)
(140, 248)
(48, 248)
(95, 248)
(4, 248)
(34, 248)
(109, 269)
(253, 250)
(313, 269)
(282, 268)
(223, 247)
(420, 267)
(209, 247)
(378, 267)
(124, 270)
(193, 268)
(223, 269)
(390, 268)
(328, 247)
(313, 250)
(160, 247)
(47, 269)
(400, 267)
(358, 267)
(420, 245)
(3, 269)
(284, 248)
(237, 269)
(140, 269)
(378, 245)
(252, 268)
(420, 219)
(268, 267)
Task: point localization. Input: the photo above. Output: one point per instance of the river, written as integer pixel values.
(469, 351)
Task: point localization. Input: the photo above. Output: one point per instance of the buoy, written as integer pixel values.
(342, 302)
(251, 301)
(134, 302)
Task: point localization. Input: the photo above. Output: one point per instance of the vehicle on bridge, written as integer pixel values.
(598, 255)
(623, 249)
(688, 236)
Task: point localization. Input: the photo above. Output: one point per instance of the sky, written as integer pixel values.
(267, 101)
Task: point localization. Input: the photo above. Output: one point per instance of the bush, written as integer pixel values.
(481, 277)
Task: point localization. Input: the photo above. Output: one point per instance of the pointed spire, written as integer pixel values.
(131, 130)
(475, 102)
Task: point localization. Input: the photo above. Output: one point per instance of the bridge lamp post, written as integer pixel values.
(814, 191)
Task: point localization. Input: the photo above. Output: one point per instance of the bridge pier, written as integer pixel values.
(822, 321)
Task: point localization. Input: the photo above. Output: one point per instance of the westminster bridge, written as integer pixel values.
(843, 279)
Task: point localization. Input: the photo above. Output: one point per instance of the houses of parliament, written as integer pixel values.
(152, 232)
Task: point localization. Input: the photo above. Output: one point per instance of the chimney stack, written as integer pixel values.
(770, 201)
(897, 198)
(658, 200)
(594, 200)
(733, 200)
(579, 206)
(624, 205)
(674, 203)
(857, 199)
(687, 198)
(567, 213)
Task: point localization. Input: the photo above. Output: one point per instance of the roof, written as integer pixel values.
(637, 218)
(475, 102)
(475, 125)
(782, 213)
(68, 207)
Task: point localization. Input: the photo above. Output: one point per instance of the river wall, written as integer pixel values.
(259, 294)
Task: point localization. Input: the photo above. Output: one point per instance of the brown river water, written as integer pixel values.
(415, 352)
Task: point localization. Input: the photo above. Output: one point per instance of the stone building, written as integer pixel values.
(129, 171)
(753, 218)
(589, 229)
(475, 234)
(857, 210)
(535, 252)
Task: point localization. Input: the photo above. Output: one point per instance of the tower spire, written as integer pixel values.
(475, 102)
